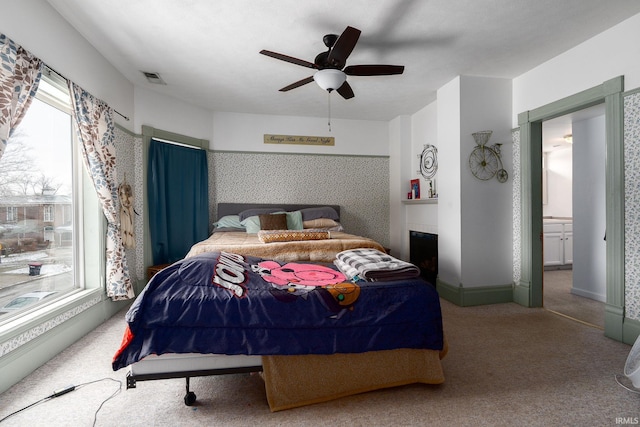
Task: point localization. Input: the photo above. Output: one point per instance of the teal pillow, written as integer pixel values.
(251, 224)
(228, 221)
(294, 220)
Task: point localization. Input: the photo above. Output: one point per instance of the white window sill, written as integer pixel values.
(19, 331)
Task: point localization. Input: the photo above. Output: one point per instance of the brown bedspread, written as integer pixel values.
(293, 381)
(242, 243)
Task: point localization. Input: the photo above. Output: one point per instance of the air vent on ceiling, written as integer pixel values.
(153, 78)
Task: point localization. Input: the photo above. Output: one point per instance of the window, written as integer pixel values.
(41, 251)
(48, 213)
(12, 214)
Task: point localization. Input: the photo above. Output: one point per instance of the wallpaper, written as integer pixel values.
(632, 204)
(129, 158)
(517, 211)
(359, 184)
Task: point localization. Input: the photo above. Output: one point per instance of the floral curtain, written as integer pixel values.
(94, 120)
(19, 77)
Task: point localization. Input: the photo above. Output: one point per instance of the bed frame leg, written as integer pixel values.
(131, 382)
(190, 397)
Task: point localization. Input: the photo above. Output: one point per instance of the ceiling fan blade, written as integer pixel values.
(373, 70)
(345, 91)
(343, 47)
(288, 58)
(297, 84)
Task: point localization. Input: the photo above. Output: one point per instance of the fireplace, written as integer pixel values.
(423, 252)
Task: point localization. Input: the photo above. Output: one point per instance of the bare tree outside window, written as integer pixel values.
(36, 193)
(17, 166)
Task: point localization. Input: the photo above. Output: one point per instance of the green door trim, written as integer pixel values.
(528, 290)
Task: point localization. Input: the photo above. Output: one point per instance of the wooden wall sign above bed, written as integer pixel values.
(299, 139)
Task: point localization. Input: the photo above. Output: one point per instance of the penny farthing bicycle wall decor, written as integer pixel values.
(485, 161)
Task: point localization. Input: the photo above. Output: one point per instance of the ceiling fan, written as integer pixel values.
(332, 73)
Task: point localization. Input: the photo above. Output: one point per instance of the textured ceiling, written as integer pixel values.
(207, 51)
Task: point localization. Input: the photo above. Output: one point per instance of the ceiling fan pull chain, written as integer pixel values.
(329, 102)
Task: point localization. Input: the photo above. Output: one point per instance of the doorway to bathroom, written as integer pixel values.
(528, 288)
(574, 215)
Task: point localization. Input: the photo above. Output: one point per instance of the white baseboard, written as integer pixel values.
(588, 294)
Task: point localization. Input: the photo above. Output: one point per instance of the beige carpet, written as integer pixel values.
(558, 297)
(507, 365)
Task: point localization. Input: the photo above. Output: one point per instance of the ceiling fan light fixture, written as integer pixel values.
(329, 79)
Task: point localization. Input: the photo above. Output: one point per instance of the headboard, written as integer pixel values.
(236, 208)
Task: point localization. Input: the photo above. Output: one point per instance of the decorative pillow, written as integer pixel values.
(276, 221)
(228, 221)
(319, 212)
(294, 220)
(258, 211)
(323, 223)
(251, 224)
(270, 236)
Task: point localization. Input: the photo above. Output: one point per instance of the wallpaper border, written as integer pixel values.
(299, 154)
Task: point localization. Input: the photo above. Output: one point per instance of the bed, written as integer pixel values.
(330, 365)
(234, 237)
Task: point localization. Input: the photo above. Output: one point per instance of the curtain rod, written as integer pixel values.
(67, 80)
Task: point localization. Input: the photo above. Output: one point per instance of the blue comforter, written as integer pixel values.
(231, 304)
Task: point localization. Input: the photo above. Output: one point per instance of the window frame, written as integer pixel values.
(89, 228)
(48, 213)
(13, 217)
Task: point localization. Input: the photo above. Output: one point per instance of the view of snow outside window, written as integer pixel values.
(36, 211)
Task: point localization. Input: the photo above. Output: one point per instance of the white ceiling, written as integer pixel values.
(207, 51)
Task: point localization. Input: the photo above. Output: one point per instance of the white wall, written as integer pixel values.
(589, 218)
(36, 26)
(449, 214)
(474, 218)
(486, 206)
(424, 130)
(399, 164)
(613, 53)
(170, 114)
(245, 132)
(419, 217)
(559, 166)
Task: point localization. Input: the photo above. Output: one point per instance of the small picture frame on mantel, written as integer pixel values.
(415, 188)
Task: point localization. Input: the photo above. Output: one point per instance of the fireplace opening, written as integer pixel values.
(423, 252)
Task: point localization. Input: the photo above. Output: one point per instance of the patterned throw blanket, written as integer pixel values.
(373, 265)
